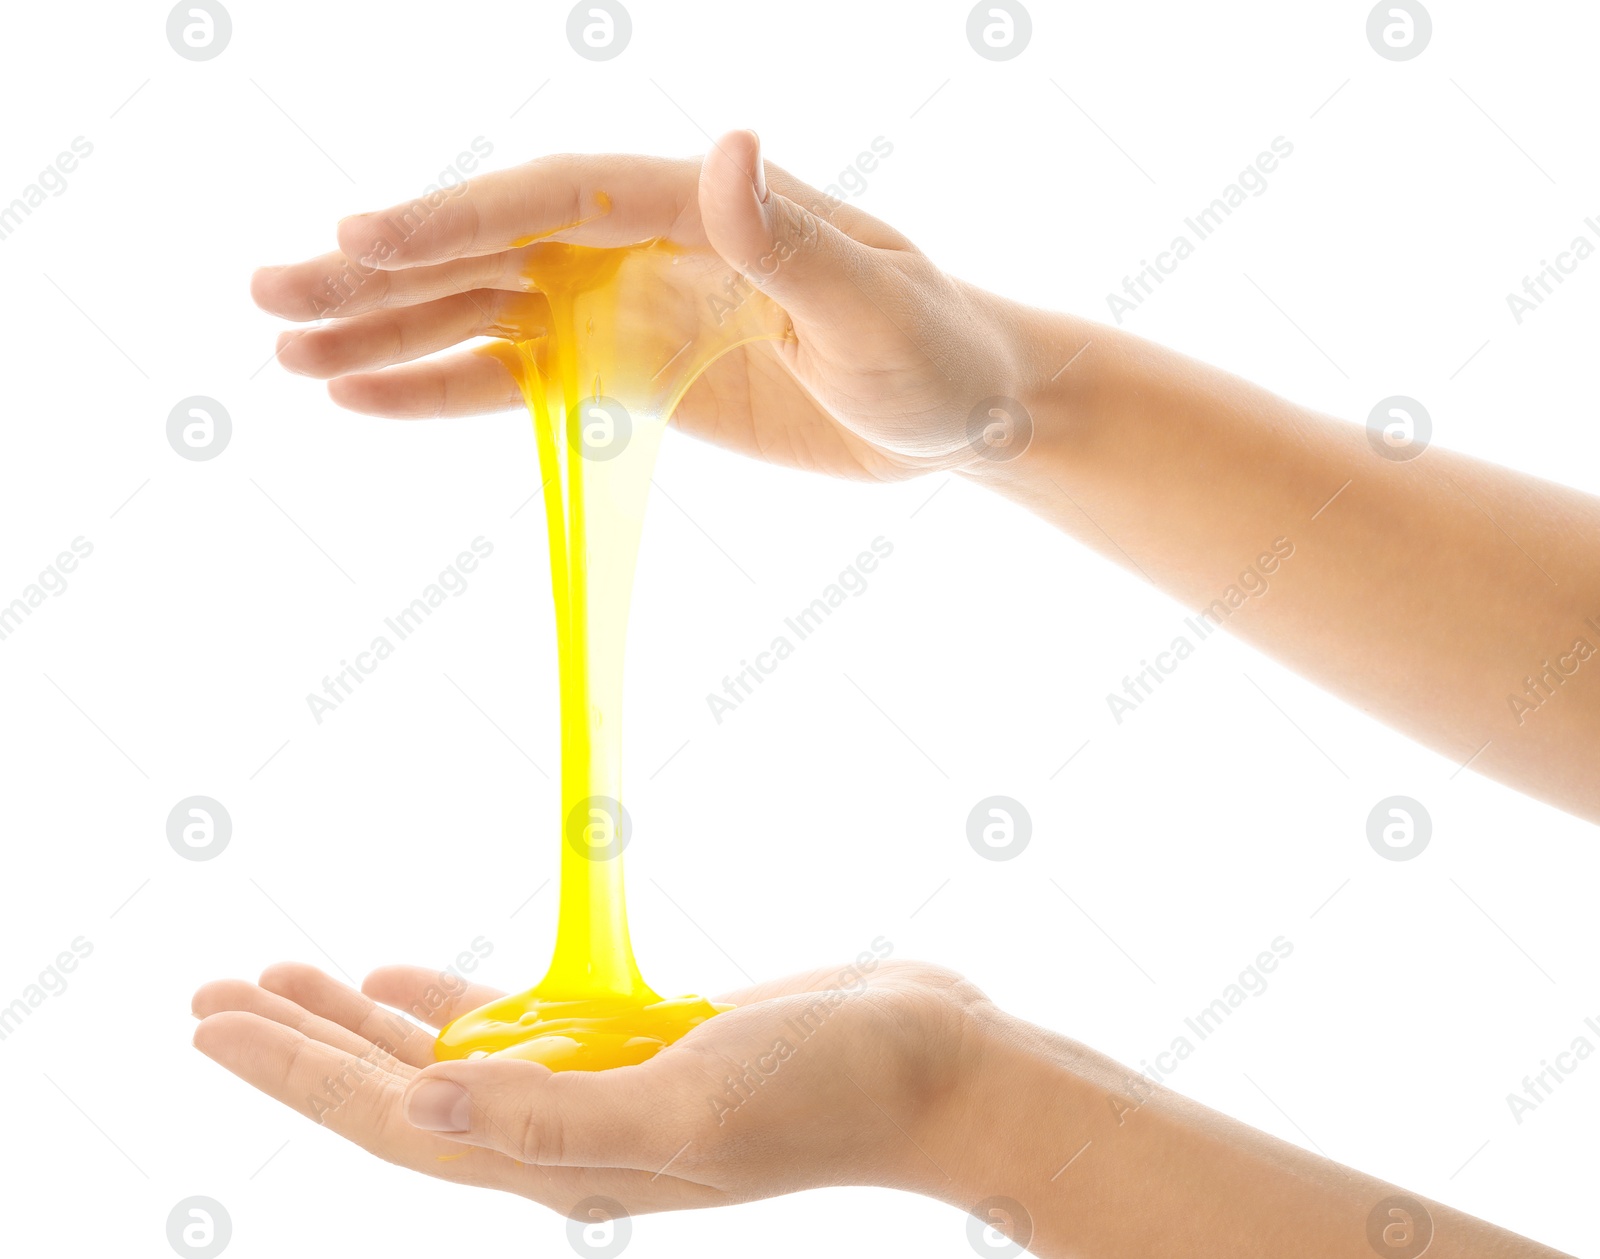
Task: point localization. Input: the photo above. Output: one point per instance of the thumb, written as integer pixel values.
(786, 249)
(551, 1119)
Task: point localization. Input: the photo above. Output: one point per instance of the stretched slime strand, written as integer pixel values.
(625, 333)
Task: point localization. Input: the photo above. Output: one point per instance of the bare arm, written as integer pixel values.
(1452, 599)
(1103, 1162)
(881, 1072)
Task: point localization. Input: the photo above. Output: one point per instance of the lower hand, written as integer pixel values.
(827, 1078)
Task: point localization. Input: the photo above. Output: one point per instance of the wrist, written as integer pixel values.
(1066, 1152)
(1018, 1097)
(1052, 399)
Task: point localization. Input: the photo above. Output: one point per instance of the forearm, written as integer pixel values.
(1455, 600)
(1103, 1162)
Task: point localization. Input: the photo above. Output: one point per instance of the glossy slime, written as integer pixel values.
(612, 341)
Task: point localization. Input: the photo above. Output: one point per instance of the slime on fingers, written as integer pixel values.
(624, 334)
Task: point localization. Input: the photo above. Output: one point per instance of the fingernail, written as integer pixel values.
(758, 176)
(439, 1106)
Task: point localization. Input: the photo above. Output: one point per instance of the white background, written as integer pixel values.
(806, 824)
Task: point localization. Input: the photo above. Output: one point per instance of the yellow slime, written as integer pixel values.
(613, 339)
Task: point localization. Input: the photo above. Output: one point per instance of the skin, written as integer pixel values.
(909, 1079)
(1429, 593)
(1424, 591)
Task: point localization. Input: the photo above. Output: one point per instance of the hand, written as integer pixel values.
(835, 1077)
(892, 1074)
(888, 360)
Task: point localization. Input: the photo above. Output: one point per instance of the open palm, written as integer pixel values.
(824, 1078)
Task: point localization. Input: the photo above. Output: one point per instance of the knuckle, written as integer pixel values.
(472, 225)
(293, 1076)
(382, 284)
(395, 337)
(393, 1034)
(284, 978)
(384, 1130)
(309, 354)
(538, 1137)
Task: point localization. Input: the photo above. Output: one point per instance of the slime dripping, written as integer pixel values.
(616, 338)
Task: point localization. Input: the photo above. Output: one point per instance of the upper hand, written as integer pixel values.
(888, 358)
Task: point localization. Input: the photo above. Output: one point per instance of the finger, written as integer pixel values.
(819, 980)
(350, 1093)
(350, 1096)
(588, 200)
(470, 383)
(847, 977)
(795, 256)
(853, 221)
(384, 338)
(337, 1004)
(333, 286)
(435, 997)
(628, 1117)
(235, 994)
